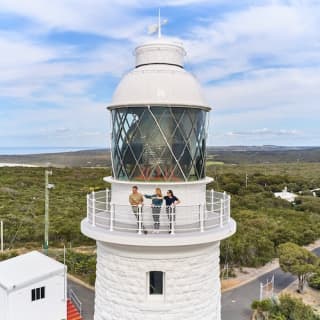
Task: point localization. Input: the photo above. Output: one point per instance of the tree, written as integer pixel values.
(298, 261)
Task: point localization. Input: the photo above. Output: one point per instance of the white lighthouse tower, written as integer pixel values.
(159, 130)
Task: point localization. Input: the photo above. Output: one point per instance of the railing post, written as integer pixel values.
(88, 206)
(172, 213)
(112, 214)
(202, 217)
(221, 213)
(93, 204)
(212, 200)
(225, 204)
(229, 208)
(139, 219)
(107, 199)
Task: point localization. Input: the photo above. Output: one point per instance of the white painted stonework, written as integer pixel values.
(191, 289)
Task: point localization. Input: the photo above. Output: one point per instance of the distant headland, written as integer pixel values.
(75, 157)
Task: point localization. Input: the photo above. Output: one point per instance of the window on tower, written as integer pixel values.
(156, 280)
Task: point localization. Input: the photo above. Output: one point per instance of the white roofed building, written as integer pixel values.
(285, 195)
(32, 286)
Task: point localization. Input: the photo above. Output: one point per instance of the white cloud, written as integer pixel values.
(268, 90)
(283, 34)
(95, 16)
(259, 64)
(265, 132)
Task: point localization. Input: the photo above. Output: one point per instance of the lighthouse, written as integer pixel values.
(158, 258)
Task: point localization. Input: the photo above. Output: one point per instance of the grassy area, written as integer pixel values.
(214, 163)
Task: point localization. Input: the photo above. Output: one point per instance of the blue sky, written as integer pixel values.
(258, 62)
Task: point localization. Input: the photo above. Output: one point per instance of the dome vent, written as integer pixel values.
(160, 52)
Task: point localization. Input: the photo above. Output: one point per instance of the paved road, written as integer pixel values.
(86, 296)
(235, 303)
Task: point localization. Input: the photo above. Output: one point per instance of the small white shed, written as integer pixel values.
(32, 286)
(285, 195)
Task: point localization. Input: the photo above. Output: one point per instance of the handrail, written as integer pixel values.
(102, 213)
(76, 301)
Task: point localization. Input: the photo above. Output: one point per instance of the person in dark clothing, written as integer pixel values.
(157, 200)
(171, 202)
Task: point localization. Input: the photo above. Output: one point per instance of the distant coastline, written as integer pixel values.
(10, 151)
(3, 164)
(20, 151)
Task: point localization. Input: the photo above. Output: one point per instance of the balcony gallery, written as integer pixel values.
(106, 216)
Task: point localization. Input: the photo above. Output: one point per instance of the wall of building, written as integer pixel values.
(3, 304)
(53, 307)
(191, 290)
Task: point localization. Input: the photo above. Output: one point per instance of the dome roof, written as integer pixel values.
(159, 78)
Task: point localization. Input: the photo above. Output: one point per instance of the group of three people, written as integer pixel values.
(136, 202)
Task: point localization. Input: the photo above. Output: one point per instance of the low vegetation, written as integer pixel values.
(22, 204)
(80, 264)
(286, 308)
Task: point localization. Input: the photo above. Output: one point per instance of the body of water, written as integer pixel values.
(40, 150)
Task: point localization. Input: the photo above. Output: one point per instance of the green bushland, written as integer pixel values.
(80, 264)
(22, 204)
(263, 222)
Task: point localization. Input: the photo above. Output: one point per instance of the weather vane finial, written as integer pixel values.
(159, 23)
(157, 27)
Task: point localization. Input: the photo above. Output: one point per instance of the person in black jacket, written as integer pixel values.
(171, 202)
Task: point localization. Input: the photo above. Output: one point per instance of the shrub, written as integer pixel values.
(8, 255)
(293, 308)
(314, 281)
(287, 308)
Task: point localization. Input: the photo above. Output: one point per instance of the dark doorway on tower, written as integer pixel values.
(156, 280)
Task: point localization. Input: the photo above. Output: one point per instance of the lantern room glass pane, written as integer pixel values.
(159, 143)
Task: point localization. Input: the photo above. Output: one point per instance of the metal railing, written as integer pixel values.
(75, 300)
(102, 213)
